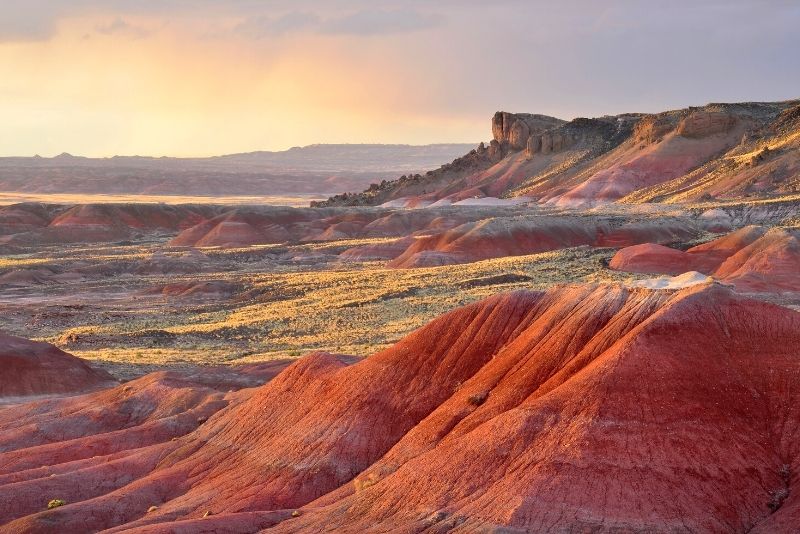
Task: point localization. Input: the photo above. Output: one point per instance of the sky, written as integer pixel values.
(203, 77)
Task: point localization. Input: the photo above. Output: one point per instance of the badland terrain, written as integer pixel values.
(589, 325)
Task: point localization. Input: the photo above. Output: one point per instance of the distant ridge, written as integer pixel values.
(319, 170)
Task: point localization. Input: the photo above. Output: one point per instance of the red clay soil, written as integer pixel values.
(35, 368)
(494, 238)
(244, 227)
(138, 216)
(24, 217)
(771, 263)
(377, 251)
(408, 222)
(587, 408)
(77, 448)
(230, 230)
(753, 259)
(35, 224)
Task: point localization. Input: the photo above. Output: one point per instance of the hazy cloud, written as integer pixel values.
(379, 70)
(265, 26)
(123, 27)
(24, 21)
(378, 22)
(365, 22)
(37, 19)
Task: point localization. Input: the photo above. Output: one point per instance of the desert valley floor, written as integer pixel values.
(134, 308)
(586, 326)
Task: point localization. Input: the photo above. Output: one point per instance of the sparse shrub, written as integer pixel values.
(476, 399)
(778, 496)
(785, 473)
(761, 156)
(363, 483)
(55, 503)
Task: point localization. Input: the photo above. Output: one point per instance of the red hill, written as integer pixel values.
(499, 237)
(34, 368)
(591, 407)
(752, 258)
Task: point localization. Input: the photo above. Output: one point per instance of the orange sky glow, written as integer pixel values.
(99, 79)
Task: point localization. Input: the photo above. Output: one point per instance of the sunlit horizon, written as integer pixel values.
(100, 79)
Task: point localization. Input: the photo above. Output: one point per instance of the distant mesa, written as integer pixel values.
(718, 151)
(314, 171)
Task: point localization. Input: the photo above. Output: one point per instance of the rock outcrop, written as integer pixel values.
(514, 129)
(705, 123)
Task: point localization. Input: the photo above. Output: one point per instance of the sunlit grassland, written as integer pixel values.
(347, 308)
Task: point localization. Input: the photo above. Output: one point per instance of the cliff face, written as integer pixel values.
(511, 134)
(725, 151)
(514, 129)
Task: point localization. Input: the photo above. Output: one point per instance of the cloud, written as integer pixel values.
(381, 22)
(36, 20)
(381, 70)
(121, 26)
(20, 21)
(263, 26)
(366, 22)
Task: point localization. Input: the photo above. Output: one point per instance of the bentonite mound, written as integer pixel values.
(35, 368)
(23, 217)
(240, 227)
(587, 408)
(499, 237)
(34, 224)
(753, 258)
(378, 251)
